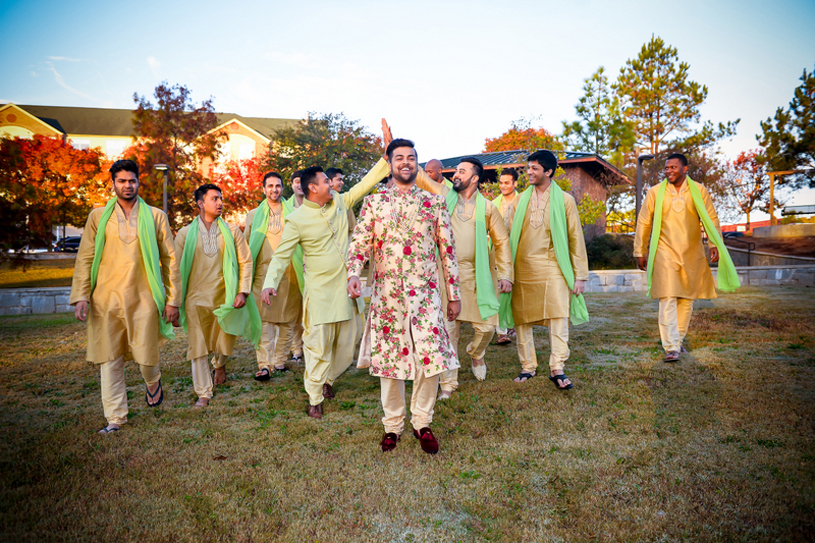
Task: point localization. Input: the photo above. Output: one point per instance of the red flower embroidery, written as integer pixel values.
(449, 249)
(431, 284)
(412, 292)
(426, 361)
(360, 257)
(426, 203)
(379, 245)
(435, 330)
(405, 351)
(452, 281)
(406, 250)
(386, 330)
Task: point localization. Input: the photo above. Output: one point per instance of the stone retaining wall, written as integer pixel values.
(28, 301)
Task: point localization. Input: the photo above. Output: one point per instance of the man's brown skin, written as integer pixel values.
(507, 185)
(676, 173)
(433, 170)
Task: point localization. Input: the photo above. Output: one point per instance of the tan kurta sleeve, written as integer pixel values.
(244, 260)
(247, 229)
(645, 222)
(366, 185)
(500, 240)
(169, 257)
(81, 283)
(577, 241)
(424, 182)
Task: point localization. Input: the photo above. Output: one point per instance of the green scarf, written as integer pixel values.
(578, 312)
(727, 276)
(257, 233)
(149, 254)
(244, 321)
(484, 288)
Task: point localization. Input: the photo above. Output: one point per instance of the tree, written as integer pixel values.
(746, 185)
(662, 104)
(176, 132)
(789, 138)
(521, 136)
(240, 181)
(601, 128)
(44, 182)
(327, 140)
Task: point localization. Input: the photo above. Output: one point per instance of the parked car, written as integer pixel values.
(733, 235)
(69, 245)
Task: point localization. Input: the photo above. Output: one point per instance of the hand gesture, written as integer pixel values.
(354, 288)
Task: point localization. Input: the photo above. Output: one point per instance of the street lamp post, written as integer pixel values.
(166, 170)
(640, 160)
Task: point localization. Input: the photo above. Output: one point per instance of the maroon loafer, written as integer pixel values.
(427, 440)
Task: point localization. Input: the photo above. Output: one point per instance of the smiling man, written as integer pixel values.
(216, 277)
(264, 230)
(475, 222)
(404, 228)
(331, 322)
(551, 269)
(506, 202)
(669, 233)
(126, 284)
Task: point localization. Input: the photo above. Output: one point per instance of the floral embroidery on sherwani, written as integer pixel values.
(407, 318)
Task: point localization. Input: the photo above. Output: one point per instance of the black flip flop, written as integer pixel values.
(560, 377)
(148, 396)
(523, 375)
(265, 375)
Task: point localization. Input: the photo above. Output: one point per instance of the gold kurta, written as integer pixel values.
(540, 291)
(123, 319)
(507, 210)
(463, 223)
(680, 267)
(288, 303)
(206, 291)
(323, 234)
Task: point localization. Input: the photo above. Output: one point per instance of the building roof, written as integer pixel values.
(517, 158)
(118, 122)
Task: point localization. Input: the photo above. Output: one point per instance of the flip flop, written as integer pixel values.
(265, 375)
(148, 396)
(284, 369)
(107, 430)
(561, 377)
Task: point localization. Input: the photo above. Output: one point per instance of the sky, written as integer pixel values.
(447, 74)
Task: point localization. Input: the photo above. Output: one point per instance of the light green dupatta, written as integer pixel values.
(148, 243)
(578, 312)
(484, 287)
(257, 233)
(727, 277)
(244, 321)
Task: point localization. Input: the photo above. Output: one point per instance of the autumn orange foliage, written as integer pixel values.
(529, 139)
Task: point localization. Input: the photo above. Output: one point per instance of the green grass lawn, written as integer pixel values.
(39, 273)
(719, 447)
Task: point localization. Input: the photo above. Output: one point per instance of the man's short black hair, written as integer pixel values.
(309, 177)
(202, 191)
(267, 175)
(545, 158)
(678, 156)
(510, 171)
(332, 172)
(400, 142)
(298, 173)
(477, 166)
(124, 165)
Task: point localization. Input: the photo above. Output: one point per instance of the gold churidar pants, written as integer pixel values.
(422, 402)
(558, 343)
(674, 319)
(114, 388)
(482, 335)
(275, 342)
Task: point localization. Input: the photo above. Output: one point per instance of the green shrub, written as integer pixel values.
(611, 252)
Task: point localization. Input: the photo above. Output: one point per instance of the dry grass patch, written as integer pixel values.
(717, 447)
(37, 273)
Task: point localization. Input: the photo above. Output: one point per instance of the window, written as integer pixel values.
(115, 148)
(83, 144)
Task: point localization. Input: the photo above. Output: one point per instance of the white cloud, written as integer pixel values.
(154, 65)
(61, 82)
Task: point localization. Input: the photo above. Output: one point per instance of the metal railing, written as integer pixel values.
(750, 246)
